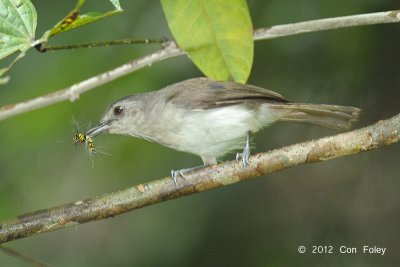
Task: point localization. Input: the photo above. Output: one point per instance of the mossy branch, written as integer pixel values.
(382, 133)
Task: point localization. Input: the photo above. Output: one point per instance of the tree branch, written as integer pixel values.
(327, 24)
(171, 50)
(72, 93)
(384, 132)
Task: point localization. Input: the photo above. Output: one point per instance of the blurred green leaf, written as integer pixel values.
(116, 4)
(216, 34)
(74, 19)
(18, 21)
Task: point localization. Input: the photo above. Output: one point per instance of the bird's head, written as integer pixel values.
(121, 117)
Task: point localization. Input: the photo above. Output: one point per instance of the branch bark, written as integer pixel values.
(171, 50)
(327, 24)
(384, 132)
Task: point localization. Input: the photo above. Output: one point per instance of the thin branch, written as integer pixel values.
(45, 47)
(327, 24)
(384, 132)
(171, 50)
(31, 261)
(73, 92)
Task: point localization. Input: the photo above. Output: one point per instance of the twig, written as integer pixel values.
(44, 47)
(171, 50)
(31, 261)
(73, 92)
(327, 24)
(382, 133)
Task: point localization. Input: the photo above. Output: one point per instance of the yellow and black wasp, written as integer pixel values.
(83, 138)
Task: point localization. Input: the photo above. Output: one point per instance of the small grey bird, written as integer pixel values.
(210, 119)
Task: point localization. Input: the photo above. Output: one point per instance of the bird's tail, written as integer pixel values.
(330, 116)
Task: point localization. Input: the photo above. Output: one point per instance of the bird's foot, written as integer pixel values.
(175, 174)
(183, 172)
(245, 155)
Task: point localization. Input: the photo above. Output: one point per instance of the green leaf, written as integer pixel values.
(74, 19)
(216, 34)
(17, 26)
(18, 21)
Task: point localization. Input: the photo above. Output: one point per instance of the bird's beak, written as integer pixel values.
(98, 129)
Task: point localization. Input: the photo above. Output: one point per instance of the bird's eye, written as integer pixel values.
(118, 110)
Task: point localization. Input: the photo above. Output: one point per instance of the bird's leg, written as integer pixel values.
(245, 155)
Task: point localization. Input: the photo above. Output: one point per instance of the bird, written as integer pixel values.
(212, 118)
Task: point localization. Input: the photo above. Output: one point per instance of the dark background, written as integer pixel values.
(351, 201)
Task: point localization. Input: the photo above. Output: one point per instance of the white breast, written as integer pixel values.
(215, 132)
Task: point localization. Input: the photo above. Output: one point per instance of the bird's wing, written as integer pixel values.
(203, 93)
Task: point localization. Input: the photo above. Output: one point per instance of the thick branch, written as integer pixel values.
(171, 50)
(382, 133)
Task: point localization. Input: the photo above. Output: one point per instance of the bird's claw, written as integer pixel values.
(175, 174)
(245, 157)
